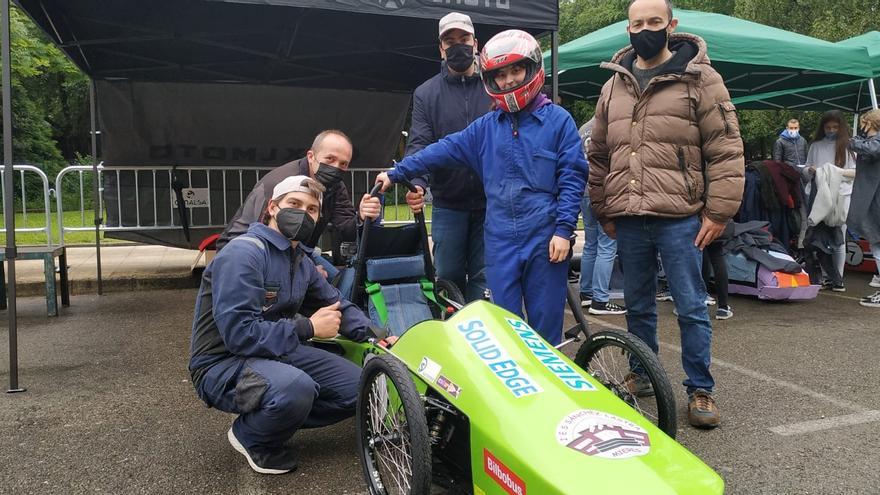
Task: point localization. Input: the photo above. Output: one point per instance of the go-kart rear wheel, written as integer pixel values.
(448, 294)
(392, 430)
(617, 360)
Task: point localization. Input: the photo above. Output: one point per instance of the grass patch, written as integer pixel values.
(36, 219)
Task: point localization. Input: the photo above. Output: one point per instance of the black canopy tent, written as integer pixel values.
(140, 47)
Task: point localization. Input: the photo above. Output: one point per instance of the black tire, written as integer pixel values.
(606, 356)
(447, 291)
(407, 432)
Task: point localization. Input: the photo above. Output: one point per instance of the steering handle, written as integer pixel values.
(377, 187)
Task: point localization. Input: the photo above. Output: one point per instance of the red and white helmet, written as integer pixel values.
(508, 48)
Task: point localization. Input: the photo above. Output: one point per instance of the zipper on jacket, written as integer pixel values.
(724, 118)
(684, 172)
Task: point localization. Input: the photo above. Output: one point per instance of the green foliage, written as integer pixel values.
(832, 21)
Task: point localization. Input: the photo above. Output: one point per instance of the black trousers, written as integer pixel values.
(714, 262)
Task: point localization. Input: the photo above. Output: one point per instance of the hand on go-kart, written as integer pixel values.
(416, 200)
(370, 207)
(559, 247)
(384, 180)
(326, 321)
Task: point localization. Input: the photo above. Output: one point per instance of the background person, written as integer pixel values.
(597, 260)
(665, 113)
(864, 212)
(791, 147)
(442, 105)
(830, 146)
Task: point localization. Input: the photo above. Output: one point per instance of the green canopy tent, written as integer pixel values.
(752, 58)
(853, 96)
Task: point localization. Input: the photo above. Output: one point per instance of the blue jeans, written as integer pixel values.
(597, 262)
(458, 249)
(639, 240)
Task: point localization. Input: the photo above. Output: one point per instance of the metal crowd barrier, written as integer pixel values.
(26, 210)
(148, 201)
(143, 198)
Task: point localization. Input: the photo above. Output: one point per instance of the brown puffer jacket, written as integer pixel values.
(657, 152)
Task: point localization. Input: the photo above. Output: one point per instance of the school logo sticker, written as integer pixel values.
(429, 369)
(600, 434)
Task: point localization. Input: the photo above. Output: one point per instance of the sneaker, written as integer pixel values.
(638, 385)
(872, 301)
(875, 282)
(606, 308)
(826, 285)
(710, 301)
(664, 295)
(702, 411)
(838, 288)
(264, 462)
(723, 313)
(586, 301)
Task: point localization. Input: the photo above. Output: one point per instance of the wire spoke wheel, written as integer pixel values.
(627, 367)
(392, 430)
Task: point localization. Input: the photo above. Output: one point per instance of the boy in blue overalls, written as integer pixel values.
(527, 154)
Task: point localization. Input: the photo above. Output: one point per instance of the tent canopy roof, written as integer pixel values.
(752, 58)
(851, 96)
(353, 44)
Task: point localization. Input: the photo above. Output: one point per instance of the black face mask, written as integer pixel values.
(648, 44)
(460, 57)
(328, 175)
(295, 224)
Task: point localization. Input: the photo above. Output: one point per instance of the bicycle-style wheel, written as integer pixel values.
(393, 438)
(627, 366)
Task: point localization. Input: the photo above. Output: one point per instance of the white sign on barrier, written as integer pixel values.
(194, 197)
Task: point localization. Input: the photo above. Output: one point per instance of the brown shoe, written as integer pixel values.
(638, 386)
(702, 411)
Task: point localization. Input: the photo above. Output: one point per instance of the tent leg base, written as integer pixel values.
(16, 390)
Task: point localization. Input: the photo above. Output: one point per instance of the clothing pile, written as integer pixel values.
(758, 265)
(773, 193)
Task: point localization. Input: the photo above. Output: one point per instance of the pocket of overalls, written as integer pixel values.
(270, 295)
(543, 171)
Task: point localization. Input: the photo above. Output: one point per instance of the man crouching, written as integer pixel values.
(248, 355)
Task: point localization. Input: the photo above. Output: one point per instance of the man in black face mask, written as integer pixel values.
(442, 105)
(326, 162)
(247, 351)
(666, 175)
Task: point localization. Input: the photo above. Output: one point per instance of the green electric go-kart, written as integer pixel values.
(474, 401)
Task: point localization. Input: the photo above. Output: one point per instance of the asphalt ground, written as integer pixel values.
(110, 409)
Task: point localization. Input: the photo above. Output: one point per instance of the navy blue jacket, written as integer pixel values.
(534, 177)
(249, 299)
(443, 105)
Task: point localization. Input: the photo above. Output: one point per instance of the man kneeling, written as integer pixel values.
(248, 355)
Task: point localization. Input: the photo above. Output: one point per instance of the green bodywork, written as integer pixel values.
(517, 392)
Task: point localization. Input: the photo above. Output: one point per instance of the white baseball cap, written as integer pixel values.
(299, 183)
(456, 20)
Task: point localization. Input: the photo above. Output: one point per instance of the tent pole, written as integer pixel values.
(95, 185)
(8, 202)
(873, 93)
(554, 63)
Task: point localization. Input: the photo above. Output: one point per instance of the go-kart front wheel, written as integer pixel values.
(392, 430)
(628, 367)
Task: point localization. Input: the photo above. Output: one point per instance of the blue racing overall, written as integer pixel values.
(534, 173)
(248, 354)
